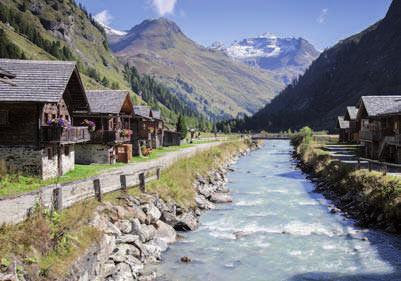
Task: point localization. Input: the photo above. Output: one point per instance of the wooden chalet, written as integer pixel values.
(350, 116)
(109, 123)
(158, 133)
(171, 138)
(142, 127)
(38, 101)
(343, 129)
(380, 121)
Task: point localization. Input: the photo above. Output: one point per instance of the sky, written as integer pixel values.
(322, 22)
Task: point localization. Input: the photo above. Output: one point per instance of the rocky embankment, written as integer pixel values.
(352, 196)
(138, 231)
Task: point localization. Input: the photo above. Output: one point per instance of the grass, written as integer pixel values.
(47, 244)
(379, 194)
(176, 183)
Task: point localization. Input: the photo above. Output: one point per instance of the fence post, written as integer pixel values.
(359, 164)
(57, 200)
(370, 166)
(158, 170)
(384, 169)
(123, 181)
(98, 190)
(142, 182)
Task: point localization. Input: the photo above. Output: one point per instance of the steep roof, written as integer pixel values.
(351, 113)
(142, 111)
(107, 101)
(378, 105)
(341, 123)
(35, 81)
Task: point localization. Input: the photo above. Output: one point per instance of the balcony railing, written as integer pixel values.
(100, 137)
(64, 135)
(374, 133)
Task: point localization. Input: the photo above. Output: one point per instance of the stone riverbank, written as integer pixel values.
(137, 232)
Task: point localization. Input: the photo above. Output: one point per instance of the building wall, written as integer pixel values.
(68, 158)
(22, 125)
(22, 159)
(93, 153)
(49, 159)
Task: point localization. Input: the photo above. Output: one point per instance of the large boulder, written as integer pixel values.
(186, 222)
(136, 212)
(144, 231)
(203, 203)
(219, 197)
(127, 239)
(124, 226)
(206, 190)
(165, 232)
(123, 273)
(152, 253)
(153, 214)
(122, 251)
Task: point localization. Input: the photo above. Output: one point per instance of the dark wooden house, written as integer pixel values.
(343, 130)
(350, 116)
(109, 123)
(158, 133)
(38, 101)
(142, 127)
(171, 138)
(379, 119)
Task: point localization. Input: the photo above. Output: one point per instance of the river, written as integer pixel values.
(277, 228)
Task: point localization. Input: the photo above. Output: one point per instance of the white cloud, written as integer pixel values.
(104, 17)
(323, 16)
(164, 7)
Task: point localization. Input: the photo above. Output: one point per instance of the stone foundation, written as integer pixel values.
(94, 153)
(29, 160)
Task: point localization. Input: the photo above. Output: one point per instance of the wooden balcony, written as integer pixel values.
(69, 135)
(108, 137)
(374, 134)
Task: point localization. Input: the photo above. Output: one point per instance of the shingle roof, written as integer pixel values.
(377, 105)
(156, 114)
(141, 110)
(341, 123)
(35, 81)
(106, 101)
(352, 111)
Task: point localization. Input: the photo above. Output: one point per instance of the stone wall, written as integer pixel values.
(49, 160)
(68, 158)
(25, 159)
(93, 153)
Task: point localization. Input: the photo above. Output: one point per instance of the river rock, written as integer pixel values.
(169, 217)
(153, 213)
(186, 222)
(206, 190)
(144, 231)
(127, 239)
(151, 252)
(136, 212)
(203, 203)
(121, 252)
(124, 226)
(109, 268)
(123, 273)
(221, 198)
(165, 232)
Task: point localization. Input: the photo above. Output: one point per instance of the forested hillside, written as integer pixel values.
(364, 64)
(64, 30)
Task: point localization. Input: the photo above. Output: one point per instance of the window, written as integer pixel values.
(3, 118)
(66, 150)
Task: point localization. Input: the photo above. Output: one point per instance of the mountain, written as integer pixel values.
(364, 64)
(64, 30)
(208, 79)
(286, 57)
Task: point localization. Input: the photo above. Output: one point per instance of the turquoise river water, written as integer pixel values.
(277, 228)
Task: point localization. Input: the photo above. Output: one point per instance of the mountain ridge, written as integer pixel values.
(217, 85)
(362, 64)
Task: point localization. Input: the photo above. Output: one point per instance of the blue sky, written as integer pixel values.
(322, 22)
